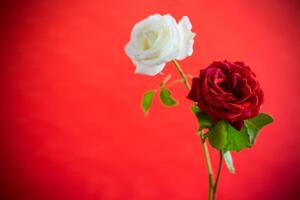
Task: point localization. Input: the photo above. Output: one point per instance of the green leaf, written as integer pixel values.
(255, 124)
(166, 98)
(217, 135)
(203, 119)
(237, 140)
(147, 100)
(223, 136)
(229, 161)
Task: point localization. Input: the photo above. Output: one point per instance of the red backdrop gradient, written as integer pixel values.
(71, 125)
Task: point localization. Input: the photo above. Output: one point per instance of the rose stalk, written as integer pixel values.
(227, 95)
(212, 184)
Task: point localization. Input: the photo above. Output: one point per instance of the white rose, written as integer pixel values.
(158, 39)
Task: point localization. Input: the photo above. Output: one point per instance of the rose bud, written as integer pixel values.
(227, 91)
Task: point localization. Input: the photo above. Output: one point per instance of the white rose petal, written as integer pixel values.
(188, 38)
(149, 70)
(157, 40)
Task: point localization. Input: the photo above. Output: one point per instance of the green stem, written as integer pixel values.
(218, 175)
(185, 81)
(212, 187)
(210, 172)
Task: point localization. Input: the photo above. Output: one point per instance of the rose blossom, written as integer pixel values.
(227, 91)
(158, 39)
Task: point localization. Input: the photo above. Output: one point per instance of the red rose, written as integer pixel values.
(227, 91)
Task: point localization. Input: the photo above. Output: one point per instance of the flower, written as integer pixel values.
(227, 91)
(158, 39)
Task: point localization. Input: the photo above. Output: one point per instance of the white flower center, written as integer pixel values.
(148, 39)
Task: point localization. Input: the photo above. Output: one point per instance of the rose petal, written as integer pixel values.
(187, 42)
(238, 124)
(147, 70)
(195, 92)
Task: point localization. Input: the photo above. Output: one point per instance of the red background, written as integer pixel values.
(71, 125)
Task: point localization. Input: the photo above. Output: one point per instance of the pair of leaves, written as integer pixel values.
(223, 136)
(253, 127)
(226, 138)
(165, 97)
